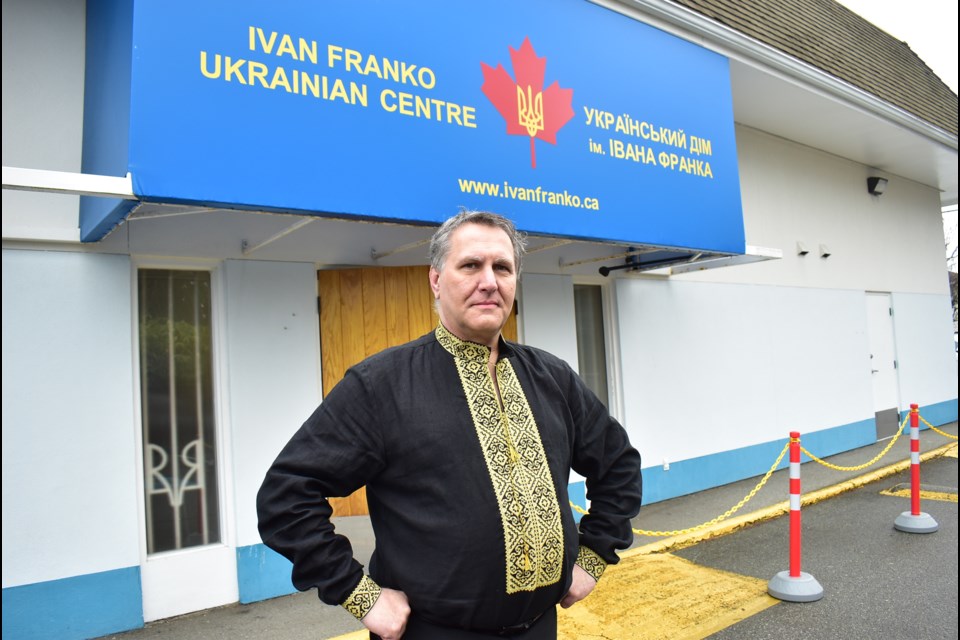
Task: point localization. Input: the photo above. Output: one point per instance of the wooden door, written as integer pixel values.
(362, 312)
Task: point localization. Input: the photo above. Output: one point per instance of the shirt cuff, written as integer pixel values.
(589, 561)
(362, 598)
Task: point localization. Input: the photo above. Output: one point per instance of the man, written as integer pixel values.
(465, 443)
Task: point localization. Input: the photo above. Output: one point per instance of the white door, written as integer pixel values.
(883, 356)
(187, 564)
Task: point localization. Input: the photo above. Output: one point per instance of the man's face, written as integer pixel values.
(476, 287)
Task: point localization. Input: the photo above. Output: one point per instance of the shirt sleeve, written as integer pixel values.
(362, 598)
(602, 454)
(589, 561)
(335, 452)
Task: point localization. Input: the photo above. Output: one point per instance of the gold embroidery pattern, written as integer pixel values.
(517, 463)
(589, 561)
(362, 598)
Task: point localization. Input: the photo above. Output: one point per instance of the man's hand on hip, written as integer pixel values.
(388, 617)
(581, 586)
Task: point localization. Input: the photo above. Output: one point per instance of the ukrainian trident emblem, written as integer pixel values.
(526, 107)
(530, 108)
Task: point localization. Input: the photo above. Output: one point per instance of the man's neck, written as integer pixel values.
(494, 353)
(492, 343)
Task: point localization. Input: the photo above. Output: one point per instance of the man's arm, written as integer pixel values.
(602, 453)
(336, 451)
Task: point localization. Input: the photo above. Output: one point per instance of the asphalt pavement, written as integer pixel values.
(878, 582)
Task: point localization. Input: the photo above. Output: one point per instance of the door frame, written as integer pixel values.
(887, 333)
(187, 580)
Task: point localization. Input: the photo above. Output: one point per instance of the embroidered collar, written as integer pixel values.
(468, 350)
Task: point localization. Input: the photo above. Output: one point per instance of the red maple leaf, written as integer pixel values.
(527, 108)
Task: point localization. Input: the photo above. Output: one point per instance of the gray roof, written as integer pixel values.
(830, 37)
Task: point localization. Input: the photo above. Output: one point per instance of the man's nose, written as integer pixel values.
(488, 279)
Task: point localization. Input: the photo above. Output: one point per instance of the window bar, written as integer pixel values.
(145, 411)
(174, 444)
(200, 449)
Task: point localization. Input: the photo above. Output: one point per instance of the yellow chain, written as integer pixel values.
(866, 464)
(943, 433)
(729, 512)
(735, 508)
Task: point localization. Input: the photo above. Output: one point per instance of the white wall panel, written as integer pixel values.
(792, 193)
(548, 315)
(273, 355)
(923, 331)
(69, 435)
(43, 75)
(709, 368)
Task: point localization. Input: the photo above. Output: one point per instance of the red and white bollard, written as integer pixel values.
(915, 521)
(795, 585)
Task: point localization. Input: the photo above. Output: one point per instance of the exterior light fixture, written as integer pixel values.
(802, 248)
(876, 186)
(825, 251)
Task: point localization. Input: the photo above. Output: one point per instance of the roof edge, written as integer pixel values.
(751, 49)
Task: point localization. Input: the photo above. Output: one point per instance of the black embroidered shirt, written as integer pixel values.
(467, 489)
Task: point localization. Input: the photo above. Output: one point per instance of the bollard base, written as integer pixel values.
(909, 523)
(804, 588)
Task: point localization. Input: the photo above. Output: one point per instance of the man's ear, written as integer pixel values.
(435, 282)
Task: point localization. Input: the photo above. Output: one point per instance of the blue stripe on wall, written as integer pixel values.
(936, 414)
(74, 608)
(262, 573)
(577, 492)
(714, 470)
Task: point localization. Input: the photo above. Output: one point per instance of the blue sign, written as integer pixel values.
(567, 117)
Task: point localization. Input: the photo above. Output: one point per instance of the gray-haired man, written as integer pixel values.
(465, 443)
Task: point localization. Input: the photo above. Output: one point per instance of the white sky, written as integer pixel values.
(930, 28)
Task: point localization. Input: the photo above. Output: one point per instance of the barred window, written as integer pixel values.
(176, 384)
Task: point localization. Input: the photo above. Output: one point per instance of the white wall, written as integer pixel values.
(273, 355)
(43, 76)
(714, 367)
(927, 364)
(69, 457)
(548, 315)
(791, 193)
(717, 360)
